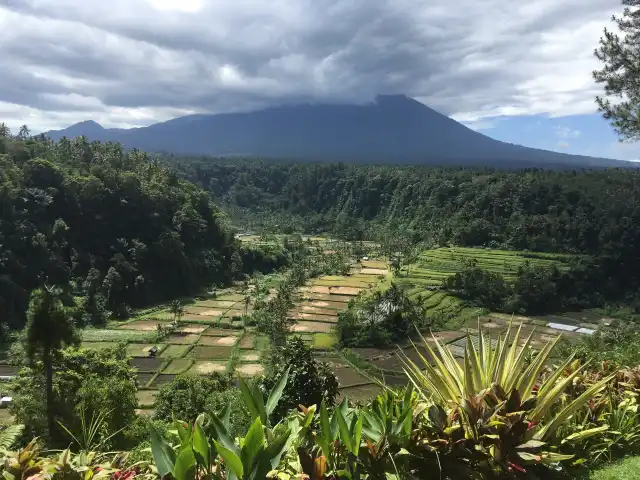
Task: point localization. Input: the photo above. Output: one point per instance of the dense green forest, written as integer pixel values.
(596, 213)
(114, 229)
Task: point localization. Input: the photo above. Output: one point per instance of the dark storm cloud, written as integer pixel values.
(139, 61)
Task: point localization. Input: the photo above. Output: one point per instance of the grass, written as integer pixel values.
(98, 345)
(106, 335)
(324, 341)
(178, 365)
(175, 351)
(627, 469)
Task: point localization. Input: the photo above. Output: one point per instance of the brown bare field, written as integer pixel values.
(374, 271)
(306, 308)
(247, 341)
(312, 327)
(349, 291)
(249, 356)
(146, 398)
(341, 283)
(328, 305)
(205, 368)
(142, 325)
(211, 341)
(179, 339)
(211, 313)
(315, 317)
(250, 369)
(192, 329)
(325, 290)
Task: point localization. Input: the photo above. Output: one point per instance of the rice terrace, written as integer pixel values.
(212, 333)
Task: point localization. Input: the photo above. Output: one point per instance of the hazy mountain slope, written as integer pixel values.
(393, 129)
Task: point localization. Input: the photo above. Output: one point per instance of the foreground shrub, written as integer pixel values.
(87, 383)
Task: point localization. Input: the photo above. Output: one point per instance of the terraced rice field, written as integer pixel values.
(320, 302)
(204, 342)
(437, 264)
(543, 329)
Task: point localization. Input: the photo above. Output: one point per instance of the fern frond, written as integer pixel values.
(9, 435)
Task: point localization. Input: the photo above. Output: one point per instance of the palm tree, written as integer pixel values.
(49, 328)
(177, 310)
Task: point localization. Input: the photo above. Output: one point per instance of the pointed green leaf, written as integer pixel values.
(345, 434)
(253, 443)
(276, 391)
(231, 460)
(249, 400)
(163, 455)
(259, 400)
(325, 429)
(357, 435)
(185, 466)
(222, 435)
(201, 446)
(583, 435)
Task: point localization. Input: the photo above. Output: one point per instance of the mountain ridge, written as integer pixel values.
(392, 129)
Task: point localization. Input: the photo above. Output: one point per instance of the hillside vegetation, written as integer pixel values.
(116, 230)
(596, 213)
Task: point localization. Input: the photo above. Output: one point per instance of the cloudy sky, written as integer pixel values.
(517, 71)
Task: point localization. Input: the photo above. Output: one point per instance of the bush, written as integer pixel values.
(186, 396)
(93, 381)
(310, 382)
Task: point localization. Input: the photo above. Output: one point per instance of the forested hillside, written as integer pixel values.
(587, 211)
(114, 229)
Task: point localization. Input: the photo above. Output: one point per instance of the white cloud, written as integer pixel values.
(132, 62)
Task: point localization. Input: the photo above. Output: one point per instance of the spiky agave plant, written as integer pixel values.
(499, 397)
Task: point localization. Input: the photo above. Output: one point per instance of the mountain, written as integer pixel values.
(393, 129)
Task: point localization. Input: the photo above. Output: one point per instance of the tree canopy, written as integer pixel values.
(620, 54)
(113, 229)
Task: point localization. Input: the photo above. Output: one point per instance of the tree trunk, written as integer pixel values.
(48, 367)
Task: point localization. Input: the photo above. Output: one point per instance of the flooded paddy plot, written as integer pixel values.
(142, 378)
(146, 364)
(162, 379)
